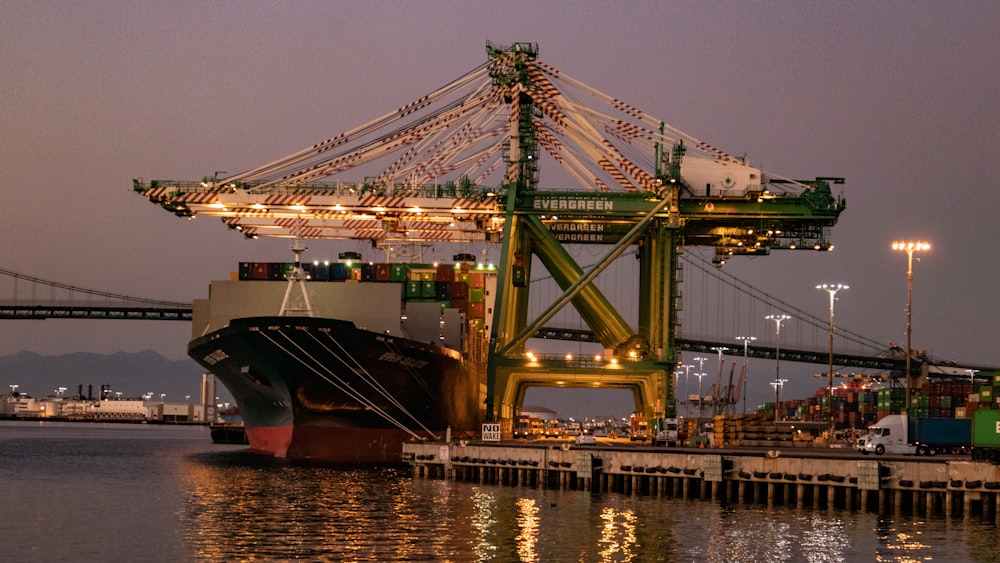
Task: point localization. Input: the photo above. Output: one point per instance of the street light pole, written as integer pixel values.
(832, 289)
(687, 377)
(700, 374)
(746, 375)
(909, 248)
(778, 319)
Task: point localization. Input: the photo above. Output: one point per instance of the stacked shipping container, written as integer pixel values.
(855, 406)
(458, 286)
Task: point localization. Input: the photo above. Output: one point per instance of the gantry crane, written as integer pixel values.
(463, 163)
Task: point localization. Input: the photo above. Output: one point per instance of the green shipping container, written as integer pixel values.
(413, 290)
(397, 272)
(985, 431)
(427, 289)
(477, 295)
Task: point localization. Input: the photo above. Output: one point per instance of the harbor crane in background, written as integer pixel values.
(463, 164)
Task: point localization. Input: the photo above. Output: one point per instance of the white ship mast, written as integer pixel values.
(297, 279)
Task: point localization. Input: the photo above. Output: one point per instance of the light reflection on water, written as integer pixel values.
(103, 493)
(245, 508)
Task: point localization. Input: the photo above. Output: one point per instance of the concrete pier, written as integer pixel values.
(926, 487)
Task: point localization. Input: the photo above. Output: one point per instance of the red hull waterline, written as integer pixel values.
(330, 444)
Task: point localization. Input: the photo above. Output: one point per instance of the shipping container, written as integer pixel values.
(476, 295)
(322, 270)
(368, 272)
(459, 290)
(339, 271)
(445, 273)
(442, 291)
(477, 279)
(383, 272)
(986, 432)
(428, 289)
(986, 435)
(413, 290)
(276, 271)
(460, 304)
(398, 272)
(260, 270)
(246, 270)
(288, 268)
(477, 310)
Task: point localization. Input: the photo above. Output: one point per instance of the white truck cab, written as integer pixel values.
(888, 435)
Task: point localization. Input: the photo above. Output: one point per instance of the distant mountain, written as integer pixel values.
(132, 374)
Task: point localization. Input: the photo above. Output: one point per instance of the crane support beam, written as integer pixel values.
(577, 286)
(594, 308)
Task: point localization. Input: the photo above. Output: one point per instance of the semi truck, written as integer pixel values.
(668, 436)
(903, 434)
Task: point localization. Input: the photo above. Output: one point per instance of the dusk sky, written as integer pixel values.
(899, 98)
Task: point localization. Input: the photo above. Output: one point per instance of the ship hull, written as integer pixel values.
(322, 389)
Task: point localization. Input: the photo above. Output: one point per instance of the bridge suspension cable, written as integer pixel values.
(94, 292)
(705, 266)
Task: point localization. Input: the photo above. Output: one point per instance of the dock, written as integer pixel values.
(927, 487)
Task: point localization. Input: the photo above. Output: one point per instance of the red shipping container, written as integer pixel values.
(383, 272)
(477, 310)
(477, 279)
(260, 270)
(459, 290)
(445, 273)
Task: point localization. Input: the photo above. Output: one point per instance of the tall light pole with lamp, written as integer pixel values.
(700, 374)
(687, 377)
(909, 247)
(832, 289)
(778, 319)
(746, 375)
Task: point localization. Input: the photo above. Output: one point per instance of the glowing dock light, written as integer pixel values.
(909, 247)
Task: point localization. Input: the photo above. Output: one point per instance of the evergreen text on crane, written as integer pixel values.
(573, 204)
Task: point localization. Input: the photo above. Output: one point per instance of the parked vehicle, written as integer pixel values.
(586, 440)
(903, 434)
(523, 427)
(638, 428)
(668, 435)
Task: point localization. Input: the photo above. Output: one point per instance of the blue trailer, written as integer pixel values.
(940, 435)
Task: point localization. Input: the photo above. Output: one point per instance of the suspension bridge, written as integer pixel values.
(26, 297)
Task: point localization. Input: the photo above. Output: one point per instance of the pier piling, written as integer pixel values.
(924, 486)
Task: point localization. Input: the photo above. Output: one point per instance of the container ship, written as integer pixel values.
(344, 361)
